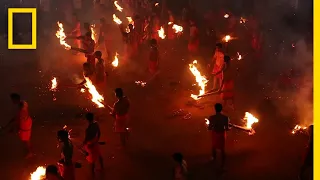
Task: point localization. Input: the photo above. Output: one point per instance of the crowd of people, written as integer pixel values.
(147, 17)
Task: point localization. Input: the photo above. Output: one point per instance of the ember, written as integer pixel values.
(226, 16)
(38, 174)
(227, 38)
(141, 83)
(201, 80)
(239, 56)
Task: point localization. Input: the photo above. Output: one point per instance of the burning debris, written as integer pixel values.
(201, 80)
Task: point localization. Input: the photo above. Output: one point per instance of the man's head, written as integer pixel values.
(86, 66)
(90, 117)
(102, 20)
(178, 157)
(15, 98)
(219, 46)
(86, 25)
(153, 42)
(98, 54)
(87, 35)
(62, 135)
(118, 92)
(130, 27)
(218, 107)
(51, 171)
(227, 59)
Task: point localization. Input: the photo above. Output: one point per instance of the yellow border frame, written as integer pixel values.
(316, 87)
(33, 12)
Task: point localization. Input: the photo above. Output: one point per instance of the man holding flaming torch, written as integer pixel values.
(153, 57)
(22, 121)
(65, 164)
(227, 84)
(120, 111)
(218, 125)
(217, 61)
(91, 142)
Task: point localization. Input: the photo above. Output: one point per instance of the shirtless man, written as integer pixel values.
(76, 31)
(100, 75)
(120, 112)
(88, 45)
(227, 84)
(193, 45)
(217, 61)
(91, 142)
(218, 125)
(65, 164)
(52, 173)
(22, 122)
(105, 37)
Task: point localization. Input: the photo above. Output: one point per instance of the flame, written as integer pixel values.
(201, 80)
(207, 121)
(227, 38)
(177, 28)
(82, 90)
(239, 56)
(250, 120)
(65, 127)
(116, 19)
(161, 33)
(54, 84)
(156, 4)
(298, 128)
(169, 23)
(96, 97)
(38, 174)
(93, 34)
(115, 62)
(242, 20)
(130, 20)
(226, 16)
(119, 8)
(62, 36)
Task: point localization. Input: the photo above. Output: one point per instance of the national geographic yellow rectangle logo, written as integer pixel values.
(33, 12)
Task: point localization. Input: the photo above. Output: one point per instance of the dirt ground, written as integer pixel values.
(272, 153)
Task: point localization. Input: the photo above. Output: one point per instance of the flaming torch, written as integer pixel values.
(201, 80)
(177, 28)
(119, 8)
(62, 36)
(115, 62)
(116, 19)
(130, 20)
(239, 56)
(161, 33)
(93, 34)
(96, 97)
(299, 128)
(38, 174)
(54, 84)
(250, 120)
